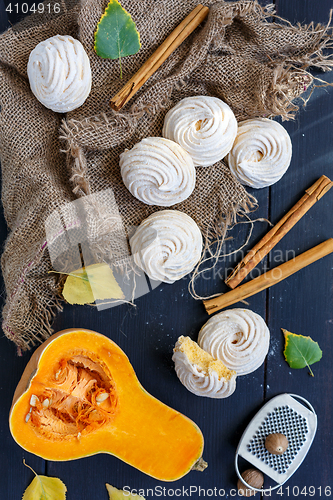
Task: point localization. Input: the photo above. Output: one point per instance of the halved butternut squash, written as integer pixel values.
(79, 396)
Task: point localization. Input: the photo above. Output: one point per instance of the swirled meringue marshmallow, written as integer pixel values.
(204, 126)
(158, 172)
(59, 73)
(200, 373)
(237, 337)
(167, 245)
(261, 153)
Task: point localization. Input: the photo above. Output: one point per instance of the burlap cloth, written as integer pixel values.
(251, 60)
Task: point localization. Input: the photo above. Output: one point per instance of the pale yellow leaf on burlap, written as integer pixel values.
(95, 282)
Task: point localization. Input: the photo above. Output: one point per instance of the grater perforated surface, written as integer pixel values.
(285, 420)
(284, 414)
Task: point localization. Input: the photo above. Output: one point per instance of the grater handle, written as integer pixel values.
(310, 407)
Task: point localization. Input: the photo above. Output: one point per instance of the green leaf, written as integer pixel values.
(116, 35)
(115, 494)
(300, 351)
(45, 488)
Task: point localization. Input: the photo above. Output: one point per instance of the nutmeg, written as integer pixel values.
(254, 478)
(276, 443)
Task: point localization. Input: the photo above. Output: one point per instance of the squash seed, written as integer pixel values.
(102, 397)
(46, 403)
(33, 400)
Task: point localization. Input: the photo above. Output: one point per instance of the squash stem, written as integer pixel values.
(200, 465)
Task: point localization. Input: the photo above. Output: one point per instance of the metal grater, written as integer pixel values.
(285, 415)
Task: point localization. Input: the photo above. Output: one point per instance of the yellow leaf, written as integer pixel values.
(95, 282)
(45, 488)
(115, 494)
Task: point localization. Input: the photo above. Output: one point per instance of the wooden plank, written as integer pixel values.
(15, 476)
(303, 303)
(3, 17)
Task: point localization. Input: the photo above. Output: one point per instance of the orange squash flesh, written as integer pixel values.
(68, 423)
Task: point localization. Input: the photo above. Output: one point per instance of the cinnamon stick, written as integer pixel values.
(183, 30)
(265, 245)
(270, 278)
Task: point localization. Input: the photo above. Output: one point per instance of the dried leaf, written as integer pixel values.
(116, 35)
(115, 494)
(300, 351)
(95, 282)
(45, 488)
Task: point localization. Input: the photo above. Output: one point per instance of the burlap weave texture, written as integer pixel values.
(257, 66)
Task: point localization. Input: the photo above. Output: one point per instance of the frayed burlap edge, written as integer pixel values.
(52, 305)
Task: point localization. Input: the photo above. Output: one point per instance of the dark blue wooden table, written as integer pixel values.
(302, 304)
